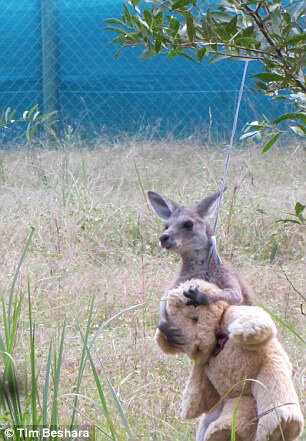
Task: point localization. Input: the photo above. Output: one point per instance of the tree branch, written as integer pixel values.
(291, 284)
(258, 21)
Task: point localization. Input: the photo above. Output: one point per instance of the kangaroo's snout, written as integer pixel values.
(164, 238)
(166, 241)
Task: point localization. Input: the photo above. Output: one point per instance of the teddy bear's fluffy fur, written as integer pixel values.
(251, 371)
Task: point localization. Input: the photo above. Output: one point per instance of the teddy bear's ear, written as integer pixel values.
(199, 395)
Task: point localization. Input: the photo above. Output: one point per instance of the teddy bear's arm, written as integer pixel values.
(199, 395)
(250, 326)
(276, 398)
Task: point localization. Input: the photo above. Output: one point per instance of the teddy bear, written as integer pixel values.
(240, 369)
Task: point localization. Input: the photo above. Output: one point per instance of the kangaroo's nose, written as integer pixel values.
(164, 237)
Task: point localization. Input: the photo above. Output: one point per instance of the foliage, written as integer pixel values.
(266, 31)
(297, 216)
(22, 404)
(33, 120)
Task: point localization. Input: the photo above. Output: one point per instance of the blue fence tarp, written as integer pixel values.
(126, 94)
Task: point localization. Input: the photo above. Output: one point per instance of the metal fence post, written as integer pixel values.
(49, 57)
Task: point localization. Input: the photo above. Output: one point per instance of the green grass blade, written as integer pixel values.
(56, 380)
(15, 278)
(34, 390)
(5, 399)
(12, 393)
(104, 324)
(10, 329)
(116, 400)
(82, 362)
(281, 322)
(14, 324)
(274, 407)
(46, 388)
(5, 324)
(82, 414)
(100, 391)
(2, 346)
(234, 415)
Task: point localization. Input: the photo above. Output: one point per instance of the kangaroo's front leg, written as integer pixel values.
(196, 296)
(231, 294)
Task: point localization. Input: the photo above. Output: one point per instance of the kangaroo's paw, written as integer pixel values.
(196, 297)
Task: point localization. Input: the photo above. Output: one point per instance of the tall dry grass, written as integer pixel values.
(96, 235)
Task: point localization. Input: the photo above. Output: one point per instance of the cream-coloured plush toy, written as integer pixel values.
(238, 363)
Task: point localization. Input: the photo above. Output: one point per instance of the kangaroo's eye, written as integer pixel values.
(166, 227)
(188, 225)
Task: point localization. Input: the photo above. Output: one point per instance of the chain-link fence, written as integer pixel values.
(55, 53)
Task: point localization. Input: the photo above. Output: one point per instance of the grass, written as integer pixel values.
(97, 237)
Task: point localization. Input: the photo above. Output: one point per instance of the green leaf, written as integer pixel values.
(280, 321)
(34, 108)
(299, 208)
(292, 221)
(146, 54)
(117, 39)
(297, 130)
(148, 17)
(174, 52)
(118, 52)
(157, 43)
(43, 118)
(261, 86)
(181, 4)
(232, 26)
(217, 57)
(114, 21)
(135, 3)
(247, 42)
(260, 210)
(248, 135)
(174, 26)
(190, 27)
(12, 115)
(293, 115)
(248, 32)
(268, 77)
(127, 14)
(201, 54)
(6, 115)
(188, 57)
(113, 29)
(270, 143)
(299, 38)
(273, 252)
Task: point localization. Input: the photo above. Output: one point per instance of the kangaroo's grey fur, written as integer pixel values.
(187, 232)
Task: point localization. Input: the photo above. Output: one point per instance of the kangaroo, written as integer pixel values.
(187, 233)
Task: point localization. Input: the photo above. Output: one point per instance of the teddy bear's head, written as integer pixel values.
(191, 330)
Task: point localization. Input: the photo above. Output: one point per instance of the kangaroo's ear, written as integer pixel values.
(164, 207)
(207, 206)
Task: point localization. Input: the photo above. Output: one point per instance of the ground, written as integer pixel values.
(96, 235)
